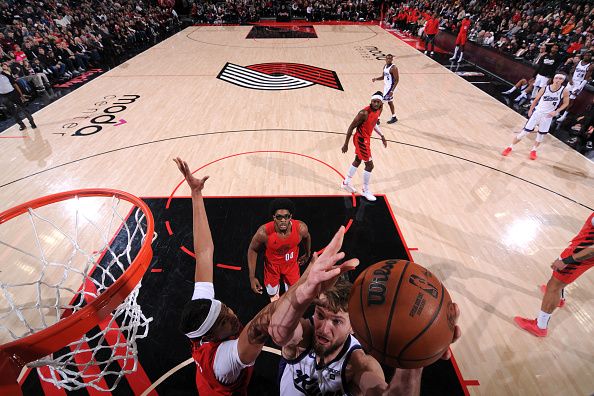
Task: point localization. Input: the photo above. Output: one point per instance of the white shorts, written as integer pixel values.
(541, 81)
(389, 98)
(573, 93)
(542, 119)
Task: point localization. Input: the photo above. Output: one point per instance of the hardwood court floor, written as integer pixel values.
(488, 225)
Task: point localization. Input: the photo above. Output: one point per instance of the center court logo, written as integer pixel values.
(278, 76)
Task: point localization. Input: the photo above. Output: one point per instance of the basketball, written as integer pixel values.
(402, 314)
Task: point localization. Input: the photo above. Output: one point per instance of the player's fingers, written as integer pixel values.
(457, 334)
(349, 265)
(336, 242)
(329, 261)
(456, 312)
(327, 275)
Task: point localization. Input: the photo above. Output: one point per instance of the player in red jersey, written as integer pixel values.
(461, 38)
(281, 238)
(224, 352)
(365, 123)
(431, 30)
(573, 262)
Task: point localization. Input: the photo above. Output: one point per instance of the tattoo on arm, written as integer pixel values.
(258, 327)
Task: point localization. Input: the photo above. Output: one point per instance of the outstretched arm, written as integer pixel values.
(203, 245)
(319, 276)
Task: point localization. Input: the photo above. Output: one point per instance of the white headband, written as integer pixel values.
(378, 97)
(560, 75)
(211, 318)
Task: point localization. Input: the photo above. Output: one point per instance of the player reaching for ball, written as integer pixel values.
(320, 355)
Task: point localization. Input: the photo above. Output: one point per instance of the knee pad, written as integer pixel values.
(540, 137)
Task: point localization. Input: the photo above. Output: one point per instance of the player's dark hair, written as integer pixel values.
(336, 298)
(194, 314)
(281, 203)
(380, 93)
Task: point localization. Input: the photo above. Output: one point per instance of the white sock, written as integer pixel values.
(455, 52)
(543, 320)
(393, 115)
(350, 173)
(366, 177)
(533, 148)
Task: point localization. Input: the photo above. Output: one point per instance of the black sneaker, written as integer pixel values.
(33, 125)
(22, 127)
(392, 120)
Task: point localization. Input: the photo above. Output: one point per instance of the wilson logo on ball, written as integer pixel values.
(376, 292)
(278, 76)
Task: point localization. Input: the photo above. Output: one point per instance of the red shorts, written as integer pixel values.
(362, 148)
(461, 39)
(572, 271)
(289, 271)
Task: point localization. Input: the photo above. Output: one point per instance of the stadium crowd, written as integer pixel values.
(246, 11)
(43, 42)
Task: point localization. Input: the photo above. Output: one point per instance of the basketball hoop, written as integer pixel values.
(91, 281)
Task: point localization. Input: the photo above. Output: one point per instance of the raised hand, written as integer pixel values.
(196, 185)
(322, 271)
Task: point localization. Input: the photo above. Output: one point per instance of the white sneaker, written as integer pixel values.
(426, 52)
(432, 53)
(562, 118)
(368, 195)
(453, 58)
(348, 187)
(520, 97)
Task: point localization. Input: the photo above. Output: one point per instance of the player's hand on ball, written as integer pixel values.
(457, 332)
(322, 271)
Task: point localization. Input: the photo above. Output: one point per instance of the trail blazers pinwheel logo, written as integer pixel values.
(278, 76)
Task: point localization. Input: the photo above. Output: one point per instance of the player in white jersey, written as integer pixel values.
(390, 78)
(320, 356)
(549, 102)
(579, 77)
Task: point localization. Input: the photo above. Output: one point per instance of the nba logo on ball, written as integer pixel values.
(402, 314)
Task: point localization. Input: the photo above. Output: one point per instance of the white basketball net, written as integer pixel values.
(100, 358)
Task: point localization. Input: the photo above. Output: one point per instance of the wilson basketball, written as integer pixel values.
(402, 314)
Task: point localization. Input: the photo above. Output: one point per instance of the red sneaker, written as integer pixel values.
(533, 155)
(543, 290)
(506, 152)
(530, 326)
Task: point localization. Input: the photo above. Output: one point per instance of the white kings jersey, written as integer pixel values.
(388, 78)
(580, 73)
(302, 376)
(549, 101)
